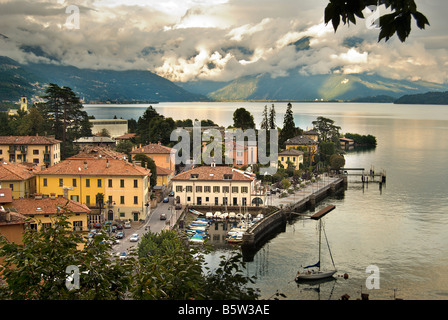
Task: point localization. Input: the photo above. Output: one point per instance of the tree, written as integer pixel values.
(272, 124)
(326, 129)
(243, 119)
(36, 269)
(265, 121)
(398, 21)
(337, 161)
(289, 129)
(151, 165)
(153, 127)
(64, 116)
(32, 124)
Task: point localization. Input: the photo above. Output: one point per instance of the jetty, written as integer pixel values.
(294, 204)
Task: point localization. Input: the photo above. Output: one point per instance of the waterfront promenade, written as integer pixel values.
(323, 182)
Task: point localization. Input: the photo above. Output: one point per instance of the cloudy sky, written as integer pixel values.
(185, 40)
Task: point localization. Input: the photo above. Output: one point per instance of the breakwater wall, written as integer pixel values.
(254, 237)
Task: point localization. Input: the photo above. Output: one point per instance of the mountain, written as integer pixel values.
(17, 81)
(424, 98)
(92, 85)
(299, 87)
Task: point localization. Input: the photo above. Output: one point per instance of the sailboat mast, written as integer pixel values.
(320, 229)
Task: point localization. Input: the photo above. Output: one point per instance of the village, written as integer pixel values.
(107, 189)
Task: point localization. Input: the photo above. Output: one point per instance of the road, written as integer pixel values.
(154, 224)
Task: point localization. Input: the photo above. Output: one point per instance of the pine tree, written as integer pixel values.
(272, 124)
(265, 121)
(289, 128)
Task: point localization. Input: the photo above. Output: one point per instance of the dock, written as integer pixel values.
(302, 200)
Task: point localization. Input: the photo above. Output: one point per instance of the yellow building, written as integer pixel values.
(304, 143)
(19, 178)
(216, 186)
(116, 187)
(291, 156)
(38, 150)
(23, 106)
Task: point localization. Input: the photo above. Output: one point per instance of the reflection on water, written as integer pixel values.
(401, 228)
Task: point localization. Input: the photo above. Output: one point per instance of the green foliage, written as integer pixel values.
(151, 165)
(326, 129)
(170, 269)
(243, 119)
(153, 127)
(398, 21)
(337, 161)
(36, 269)
(362, 140)
(289, 129)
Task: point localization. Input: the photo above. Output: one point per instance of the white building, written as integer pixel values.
(217, 186)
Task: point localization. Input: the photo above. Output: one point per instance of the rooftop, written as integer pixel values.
(5, 195)
(30, 206)
(91, 152)
(300, 140)
(16, 171)
(152, 148)
(209, 173)
(291, 152)
(94, 139)
(95, 167)
(27, 140)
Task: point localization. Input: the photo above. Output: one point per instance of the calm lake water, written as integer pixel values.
(401, 229)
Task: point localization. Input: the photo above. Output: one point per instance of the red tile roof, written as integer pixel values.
(27, 140)
(152, 148)
(5, 195)
(90, 152)
(95, 167)
(15, 171)
(217, 173)
(30, 206)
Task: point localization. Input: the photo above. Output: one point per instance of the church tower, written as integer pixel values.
(23, 104)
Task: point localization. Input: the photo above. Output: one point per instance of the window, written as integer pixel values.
(35, 151)
(216, 201)
(225, 189)
(35, 160)
(207, 189)
(74, 182)
(234, 189)
(135, 199)
(11, 186)
(228, 177)
(99, 183)
(121, 183)
(87, 200)
(189, 189)
(110, 199)
(45, 182)
(178, 188)
(216, 189)
(87, 183)
(121, 199)
(198, 188)
(243, 189)
(61, 182)
(135, 183)
(109, 183)
(207, 199)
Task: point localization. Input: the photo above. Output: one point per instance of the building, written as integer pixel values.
(117, 188)
(163, 158)
(242, 154)
(20, 178)
(115, 127)
(12, 224)
(39, 150)
(216, 186)
(95, 141)
(42, 211)
(291, 156)
(304, 143)
(126, 137)
(23, 106)
(346, 143)
(312, 134)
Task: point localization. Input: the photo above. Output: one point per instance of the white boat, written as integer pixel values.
(239, 216)
(217, 214)
(196, 212)
(232, 215)
(236, 238)
(209, 215)
(318, 274)
(224, 216)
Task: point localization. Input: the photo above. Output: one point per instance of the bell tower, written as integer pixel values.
(23, 103)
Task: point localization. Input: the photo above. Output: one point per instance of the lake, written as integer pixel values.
(400, 228)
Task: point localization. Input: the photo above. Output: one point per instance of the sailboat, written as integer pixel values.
(318, 274)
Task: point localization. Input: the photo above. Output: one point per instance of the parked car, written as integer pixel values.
(171, 194)
(119, 235)
(127, 225)
(119, 227)
(166, 200)
(122, 255)
(134, 238)
(162, 216)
